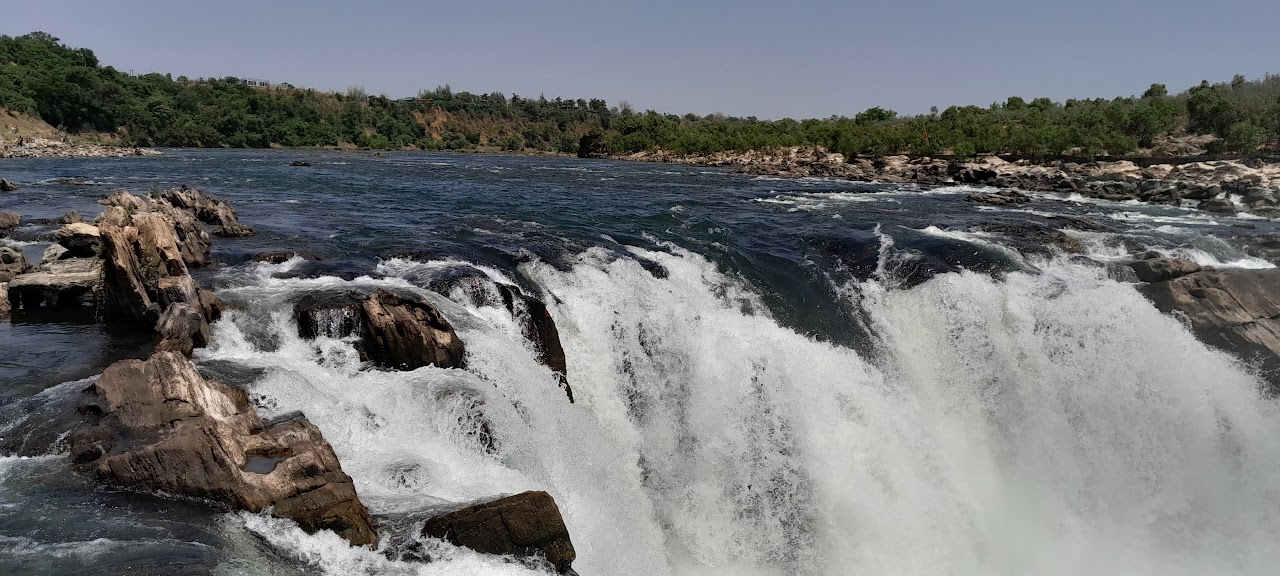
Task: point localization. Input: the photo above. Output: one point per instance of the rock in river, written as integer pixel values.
(398, 332)
(526, 524)
(12, 263)
(158, 426)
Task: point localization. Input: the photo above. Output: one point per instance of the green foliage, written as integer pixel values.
(67, 87)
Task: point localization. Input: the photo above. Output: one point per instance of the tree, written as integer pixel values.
(1156, 91)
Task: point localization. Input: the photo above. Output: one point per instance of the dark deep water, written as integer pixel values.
(777, 376)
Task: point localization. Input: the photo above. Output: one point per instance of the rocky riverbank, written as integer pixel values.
(37, 147)
(1223, 186)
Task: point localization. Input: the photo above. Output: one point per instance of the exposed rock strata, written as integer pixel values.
(158, 426)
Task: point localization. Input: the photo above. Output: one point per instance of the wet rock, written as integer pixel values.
(54, 253)
(1034, 238)
(527, 524)
(70, 217)
(158, 426)
(1235, 310)
(1163, 269)
(999, 198)
(540, 328)
(182, 328)
(82, 240)
(406, 334)
(64, 283)
(12, 263)
(210, 305)
(971, 174)
(299, 163)
(1218, 205)
(275, 257)
(9, 220)
(7, 186)
(397, 332)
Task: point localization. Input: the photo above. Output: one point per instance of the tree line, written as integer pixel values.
(69, 88)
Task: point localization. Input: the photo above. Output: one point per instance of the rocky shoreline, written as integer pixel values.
(37, 147)
(1221, 186)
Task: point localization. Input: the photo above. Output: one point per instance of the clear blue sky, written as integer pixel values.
(747, 57)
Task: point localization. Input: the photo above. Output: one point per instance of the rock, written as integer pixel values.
(64, 283)
(7, 186)
(12, 263)
(9, 220)
(1235, 310)
(210, 305)
(401, 333)
(276, 257)
(1220, 205)
(192, 240)
(406, 334)
(82, 240)
(999, 198)
(128, 293)
(207, 209)
(158, 426)
(1163, 269)
(971, 173)
(1033, 238)
(540, 328)
(299, 163)
(5, 308)
(182, 328)
(71, 217)
(54, 253)
(527, 524)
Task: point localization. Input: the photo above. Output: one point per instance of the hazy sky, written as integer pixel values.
(746, 57)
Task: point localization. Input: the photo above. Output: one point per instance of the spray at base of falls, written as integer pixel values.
(1050, 424)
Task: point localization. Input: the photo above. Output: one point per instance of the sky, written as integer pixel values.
(770, 59)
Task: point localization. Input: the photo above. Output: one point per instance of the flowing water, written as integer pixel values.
(771, 376)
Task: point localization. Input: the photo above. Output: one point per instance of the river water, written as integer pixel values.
(772, 376)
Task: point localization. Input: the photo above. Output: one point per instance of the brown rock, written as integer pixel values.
(210, 305)
(158, 426)
(9, 220)
(1163, 269)
(1235, 310)
(12, 263)
(7, 186)
(70, 217)
(54, 253)
(126, 292)
(406, 334)
(82, 240)
(5, 308)
(181, 329)
(526, 524)
(207, 209)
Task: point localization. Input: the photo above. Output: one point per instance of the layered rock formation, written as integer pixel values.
(158, 426)
(395, 331)
(527, 524)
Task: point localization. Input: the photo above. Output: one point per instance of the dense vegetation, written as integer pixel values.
(67, 87)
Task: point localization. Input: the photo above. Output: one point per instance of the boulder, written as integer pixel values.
(207, 209)
(527, 524)
(394, 331)
(1235, 310)
(1219, 205)
(82, 240)
(1163, 269)
(275, 257)
(12, 263)
(210, 305)
(192, 240)
(182, 328)
(9, 220)
(7, 186)
(54, 253)
(70, 217)
(70, 282)
(300, 163)
(126, 291)
(999, 198)
(5, 308)
(971, 173)
(406, 334)
(157, 426)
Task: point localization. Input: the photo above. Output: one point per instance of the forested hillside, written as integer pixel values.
(67, 87)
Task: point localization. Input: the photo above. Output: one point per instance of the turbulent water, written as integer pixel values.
(771, 376)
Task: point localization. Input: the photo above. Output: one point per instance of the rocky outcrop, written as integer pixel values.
(12, 263)
(192, 240)
(9, 220)
(5, 307)
(159, 427)
(207, 209)
(70, 217)
(54, 253)
(7, 186)
(397, 332)
(999, 197)
(182, 328)
(80, 239)
(1163, 269)
(1235, 310)
(60, 284)
(37, 147)
(527, 524)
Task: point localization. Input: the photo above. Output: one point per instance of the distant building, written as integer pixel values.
(255, 83)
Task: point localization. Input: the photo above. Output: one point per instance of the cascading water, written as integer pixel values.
(1048, 423)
